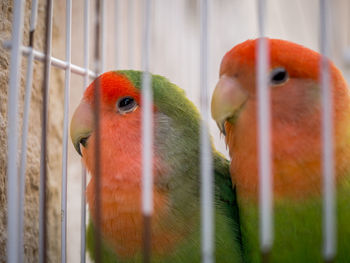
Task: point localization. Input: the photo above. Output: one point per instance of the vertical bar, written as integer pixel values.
(116, 33)
(264, 138)
(65, 133)
(130, 37)
(97, 174)
(329, 209)
(83, 216)
(103, 33)
(33, 16)
(83, 174)
(13, 248)
(206, 166)
(28, 90)
(43, 157)
(147, 137)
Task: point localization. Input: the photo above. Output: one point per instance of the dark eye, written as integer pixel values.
(278, 76)
(126, 105)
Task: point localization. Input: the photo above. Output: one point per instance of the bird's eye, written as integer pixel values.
(278, 76)
(126, 105)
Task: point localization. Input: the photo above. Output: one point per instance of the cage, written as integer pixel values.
(52, 50)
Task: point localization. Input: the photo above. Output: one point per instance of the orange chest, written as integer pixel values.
(296, 159)
(122, 220)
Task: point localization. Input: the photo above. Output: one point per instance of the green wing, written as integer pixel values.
(228, 236)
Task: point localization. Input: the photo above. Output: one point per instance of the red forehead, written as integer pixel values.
(298, 60)
(112, 86)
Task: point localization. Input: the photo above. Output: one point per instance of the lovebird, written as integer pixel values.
(296, 148)
(176, 171)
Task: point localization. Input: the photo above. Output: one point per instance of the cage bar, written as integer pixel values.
(13, 249)
(103, 35)
(329, 209)
(83, 173)
(206, 165)
(43, 156)
(97, 95)
(130, 36)
(116, 33)
(264, 138)
(147, 135)
(65, 133)
(23, 161)
(22, 178)
(33, 16)
(55, 62)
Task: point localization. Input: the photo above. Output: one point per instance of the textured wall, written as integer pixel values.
(34, 137)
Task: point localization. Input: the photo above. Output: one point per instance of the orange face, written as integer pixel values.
(295, 117)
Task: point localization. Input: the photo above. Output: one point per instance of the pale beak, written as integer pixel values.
(81, 125)
(227, 101)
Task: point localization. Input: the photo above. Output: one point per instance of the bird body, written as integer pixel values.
(296, 148)
(176, 218)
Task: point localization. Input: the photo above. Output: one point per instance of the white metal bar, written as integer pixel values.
(43, 156)
(103, 36)
(61, 64)
(97, 165)
(65, 133)
(206, 165)
(264, 136)
(116, 33)
(28, 90)
(347, 56)
(55, 62)
(83, 216)
(33, 15)
(329, 209)
(147, 134)
(83, 175)
(147, 101)
(130, 32)
(13, 249)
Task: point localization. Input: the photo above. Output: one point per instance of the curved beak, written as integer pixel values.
(227, 101)
(81, 125)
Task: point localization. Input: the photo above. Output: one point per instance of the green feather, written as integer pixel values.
(177, 123)
(297, 229)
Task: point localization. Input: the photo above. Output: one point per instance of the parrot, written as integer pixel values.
(296, 149)
(175, 229)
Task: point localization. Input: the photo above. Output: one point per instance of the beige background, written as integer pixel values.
(175, 54)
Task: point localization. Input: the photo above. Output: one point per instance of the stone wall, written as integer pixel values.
(31, 223)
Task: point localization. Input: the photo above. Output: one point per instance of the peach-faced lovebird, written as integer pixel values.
(176, 219)
(296, 148)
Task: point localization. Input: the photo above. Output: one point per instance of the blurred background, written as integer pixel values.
(175, 47)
